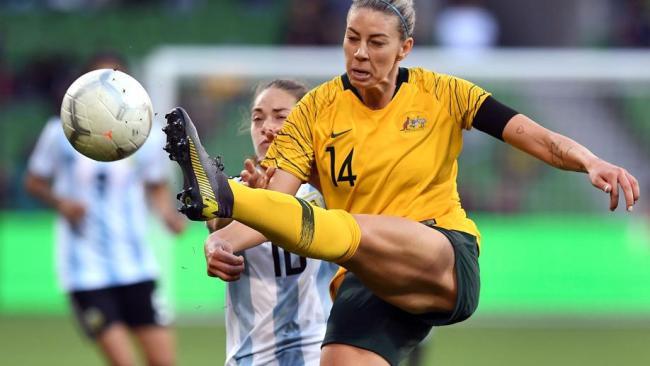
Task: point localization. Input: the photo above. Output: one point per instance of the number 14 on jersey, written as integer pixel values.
(345, 172)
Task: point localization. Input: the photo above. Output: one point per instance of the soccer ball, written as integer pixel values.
(106, 114)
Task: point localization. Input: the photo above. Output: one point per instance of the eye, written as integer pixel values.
(377, 43)
(257, 119)
(352, 38)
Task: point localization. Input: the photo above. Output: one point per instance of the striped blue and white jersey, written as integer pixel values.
(109, 248)
(277, 311)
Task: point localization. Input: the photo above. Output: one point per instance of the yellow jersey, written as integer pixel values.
(400, 160)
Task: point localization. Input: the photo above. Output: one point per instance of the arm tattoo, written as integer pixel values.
(520, 130)
(558, 156)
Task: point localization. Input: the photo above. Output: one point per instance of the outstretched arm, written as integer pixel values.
(564, 153)
(221, 245)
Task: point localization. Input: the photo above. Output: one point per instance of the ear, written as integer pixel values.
(406, 48)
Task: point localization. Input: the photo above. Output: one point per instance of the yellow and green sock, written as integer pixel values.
(296, 225)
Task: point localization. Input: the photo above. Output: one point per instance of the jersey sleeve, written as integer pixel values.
(43, 160)
(293, 150)
(462, 98)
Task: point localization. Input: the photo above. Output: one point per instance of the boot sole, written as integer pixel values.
(196, 186)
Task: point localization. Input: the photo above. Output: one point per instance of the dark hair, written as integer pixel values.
(293, 87)
(403, 10)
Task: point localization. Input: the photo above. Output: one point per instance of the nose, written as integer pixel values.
(361, 53)
(269, 130)
(270, 134)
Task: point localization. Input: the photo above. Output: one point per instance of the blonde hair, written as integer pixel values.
(404, 10)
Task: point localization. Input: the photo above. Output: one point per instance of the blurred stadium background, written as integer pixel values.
(565, 282)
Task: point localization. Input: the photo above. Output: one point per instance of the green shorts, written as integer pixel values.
(361, 319)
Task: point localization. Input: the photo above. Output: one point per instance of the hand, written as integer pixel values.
(608, 177)
(255, 177)
(221, 261)
(175, 222)
(73, 211)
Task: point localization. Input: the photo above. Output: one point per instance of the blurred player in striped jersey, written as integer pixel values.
(103, 261)
(278, 307)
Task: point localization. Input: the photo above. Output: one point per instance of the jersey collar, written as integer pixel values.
(402, 77)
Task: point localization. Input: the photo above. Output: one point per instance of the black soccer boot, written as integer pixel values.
(206, 193)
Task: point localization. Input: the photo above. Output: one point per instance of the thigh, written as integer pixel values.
(115, 343)
(468, 283)
(140, 306)
(142, 314)
(406, 263)
(96, 310)
(157, 343)
(365, 323)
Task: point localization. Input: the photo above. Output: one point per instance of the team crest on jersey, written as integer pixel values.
(414, 124)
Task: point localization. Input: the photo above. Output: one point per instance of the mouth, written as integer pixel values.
(264, 145)
(359, 74)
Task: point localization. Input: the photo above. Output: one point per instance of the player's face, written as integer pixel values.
(372, 47)
(270, 109)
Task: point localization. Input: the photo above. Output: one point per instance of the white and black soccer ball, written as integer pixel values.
(106, 114)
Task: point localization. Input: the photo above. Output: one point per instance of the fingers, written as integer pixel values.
(626, 186)
(602, 184)
(252, 176)
(245, 177)
(221, 262)
(606, 187)
(224, 265)
(613, 197)
(613, 185)
(222, 256)
(223, 276)
(636, 191)
(269, 173)
(249, 165)
(248, 173)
